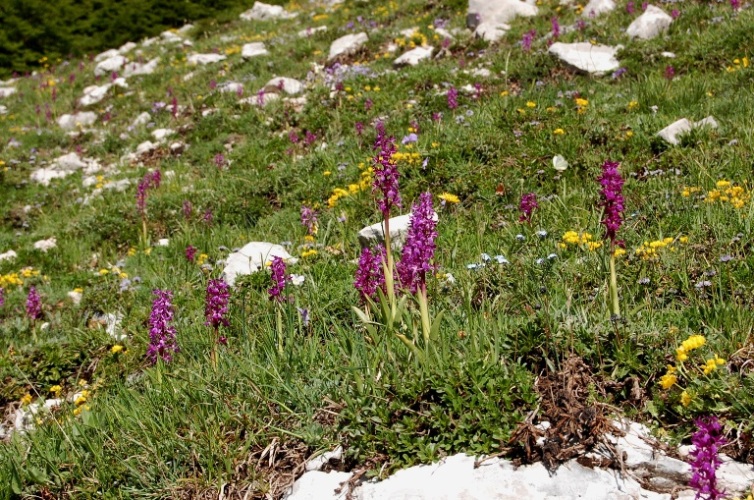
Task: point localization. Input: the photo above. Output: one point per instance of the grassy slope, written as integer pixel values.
(185, 428)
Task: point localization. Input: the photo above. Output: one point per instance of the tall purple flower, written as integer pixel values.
(191, 253)
(279, 279)
(370, 275)
(555, 27)
(359, 128)
(707, 441)
(527, 39)
(630, 8)
(735, 4)
(669, 72)
(419, 248)
(188, 209)
(216, 305)
(2, 297)
(220, 161)
(452, 98)
(151, 180)
(527, 206)
(611, 201)
(162, 342)
(385, 172)
(309, 219)
(33, 304)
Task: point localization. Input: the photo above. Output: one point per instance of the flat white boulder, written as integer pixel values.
(375, 234)
(316, 485)
(653, 22)
(595, 59)
(72, 122)
(290, 86)
(9, 255)
(45, 245)
(136, 69)
(673, 132)
(95, 93)
(253, 49)
(229, 87)
(106, 55)
(252, 258)
(3, 110)
(347, 44)
(265, 12)
(414, 56)
(161, 133)
(170, 37)
(205, 58)
(107, 66)
(141, 120)
(64, 166)
(126, 48)
(596, 7)
(311, 31)
(490, 18)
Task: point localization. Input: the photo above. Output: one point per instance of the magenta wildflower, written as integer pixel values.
(669, 72)
(644, 5)
(208, 217)
(368, 104)
(611, 199)
(385, 172)
(33, 304)
(293, 137)
(216, 305)
(162, 342)
(359, 128)
(2, 297)
(310, 138)
(174, 107)
(675, 13)
(419, 248)
(260, 98)
(735, 4)
(370, 275)
(527, 206)
(188, 209)
(279, 279)
(149, 181)
(452, 98)
(555, 27)
(309, 219)
(191, 253)
(220, 161)
(527, 39)
(630, 8)
(707, 441)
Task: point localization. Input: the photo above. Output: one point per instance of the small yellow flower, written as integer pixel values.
(449, 198)
(308, 253)
(27, 399)
(558, 131)
(531, 104)
(131, 252)
(116, 348)
(632, 105)
(147, 251)
(668, 380)
(618, 252)
(309, 238)
(104, 272)
(685, 398)
(504, 93)
(202, 259)
(78, 290)
(55, 389)
(326, 173)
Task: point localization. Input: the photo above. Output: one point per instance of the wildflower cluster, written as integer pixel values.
(279, 279)
(527, 206)
(33, 304)
(216, 304)
(369, 274)
(738, 65)
(151, 180)
(650, 250)
(385, 173)
(611, 200)
(707, 441)
(690, 374)
(364, 184)
(726, 192)
(581, 239)
(419, 248)
(162, 342)
(309, 220)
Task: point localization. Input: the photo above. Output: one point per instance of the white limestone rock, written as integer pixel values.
(161, 133)
(253, 49)
(489, 18)
(75, 297)
(594, 59)
(107, 66)
(251, 258)
(45, 245)
(673, 132)
(311, 31)
(3, 110)
(347, 44)
(205, 58)
(64, 166)
(414, 56)
(136, 69)
(230, 87)
(94, 94)
(653, 22)
(126, 48)
(141, 120)
(9, 255)
(375, 234)
(170, 37)
(7, 91)
(265, 12)
(597, 7)
(290, 86)
(106, 55)
(72, 122)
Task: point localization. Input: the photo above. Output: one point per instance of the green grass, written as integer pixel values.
(185, 428)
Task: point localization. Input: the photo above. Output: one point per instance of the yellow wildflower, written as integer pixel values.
(531, 104)
(558, 131)
(202, 259)
(55, 389)
(27, 399)
(668, 380)
(116, 348)
(104, 272)
(685, 398)
(308, 253)
(449, 198)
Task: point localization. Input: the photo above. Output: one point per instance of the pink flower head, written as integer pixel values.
(191, 253)
(279, 279)
(419, 248)
(33, 304)
(555, 27)
(370, 275)
(706, 459)
(309, 219)
(527, 206)
(216, 304)
(162, 343)
(452, 98)
(385, 172)
(611, 201)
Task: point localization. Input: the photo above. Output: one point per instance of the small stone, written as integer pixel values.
(72, 122)
(136, 69)
(373, 235)
(596, 7)
(311, 31)
(290, 86)
(251, 258)
(594, 59)
(205, 58)
(45, 245)
(265, 12)
(109, 65)
(253, 50)
(414, 56)
(654, 21)
(489, 18)
(346, 45)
